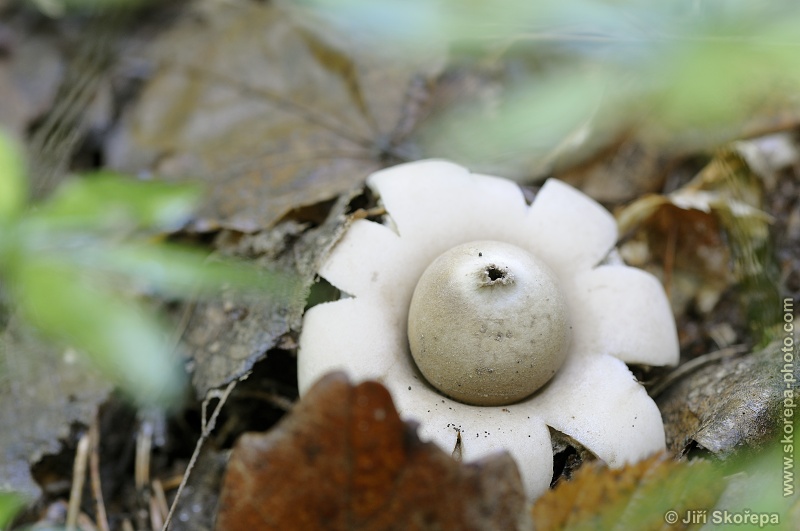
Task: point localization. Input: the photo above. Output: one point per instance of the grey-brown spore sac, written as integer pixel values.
(500, 321)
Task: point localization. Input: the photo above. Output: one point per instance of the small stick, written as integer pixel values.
(94, 474)
(171, 482)
(274, 399)
(208, 427)
(78, 477)
(669, 260)
(85, 522)
(144, 444)
(161, 499)
(156, 519)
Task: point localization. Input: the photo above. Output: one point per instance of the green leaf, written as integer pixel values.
(174, 270)
(13, 184)
(60, 8)
(535, 119)
(10, 505)
(701, 72)
(724, 74)
(122, 337)
(113, 202)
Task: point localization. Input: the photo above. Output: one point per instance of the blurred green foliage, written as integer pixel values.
(10, 504)
(58, 8)
(697, 68)
(79, 266)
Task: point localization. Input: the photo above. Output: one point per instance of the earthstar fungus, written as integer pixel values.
(489, 317)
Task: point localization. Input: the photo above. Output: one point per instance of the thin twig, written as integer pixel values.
(161, 500)
(273, 398)
(156, 518)
(171, 482)
(695, 364)
(78, 477)
(208, 427)
(669, 259)
(94, 474)
(144, 444)
(85, 522)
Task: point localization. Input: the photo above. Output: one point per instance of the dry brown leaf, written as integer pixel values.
(728, 406)
(227, 337)
(344, 460)
(682, 245)
(269, 113)
(690, 237)
(637, 496)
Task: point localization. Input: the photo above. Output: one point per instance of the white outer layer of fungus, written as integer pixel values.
(618, 314)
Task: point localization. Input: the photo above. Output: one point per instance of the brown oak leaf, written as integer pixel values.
(344, 459)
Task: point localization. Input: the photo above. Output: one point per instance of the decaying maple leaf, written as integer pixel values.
(270, 110)
(344, 459)
(653, 494)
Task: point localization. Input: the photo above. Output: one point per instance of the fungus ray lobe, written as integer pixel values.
(343, 459)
